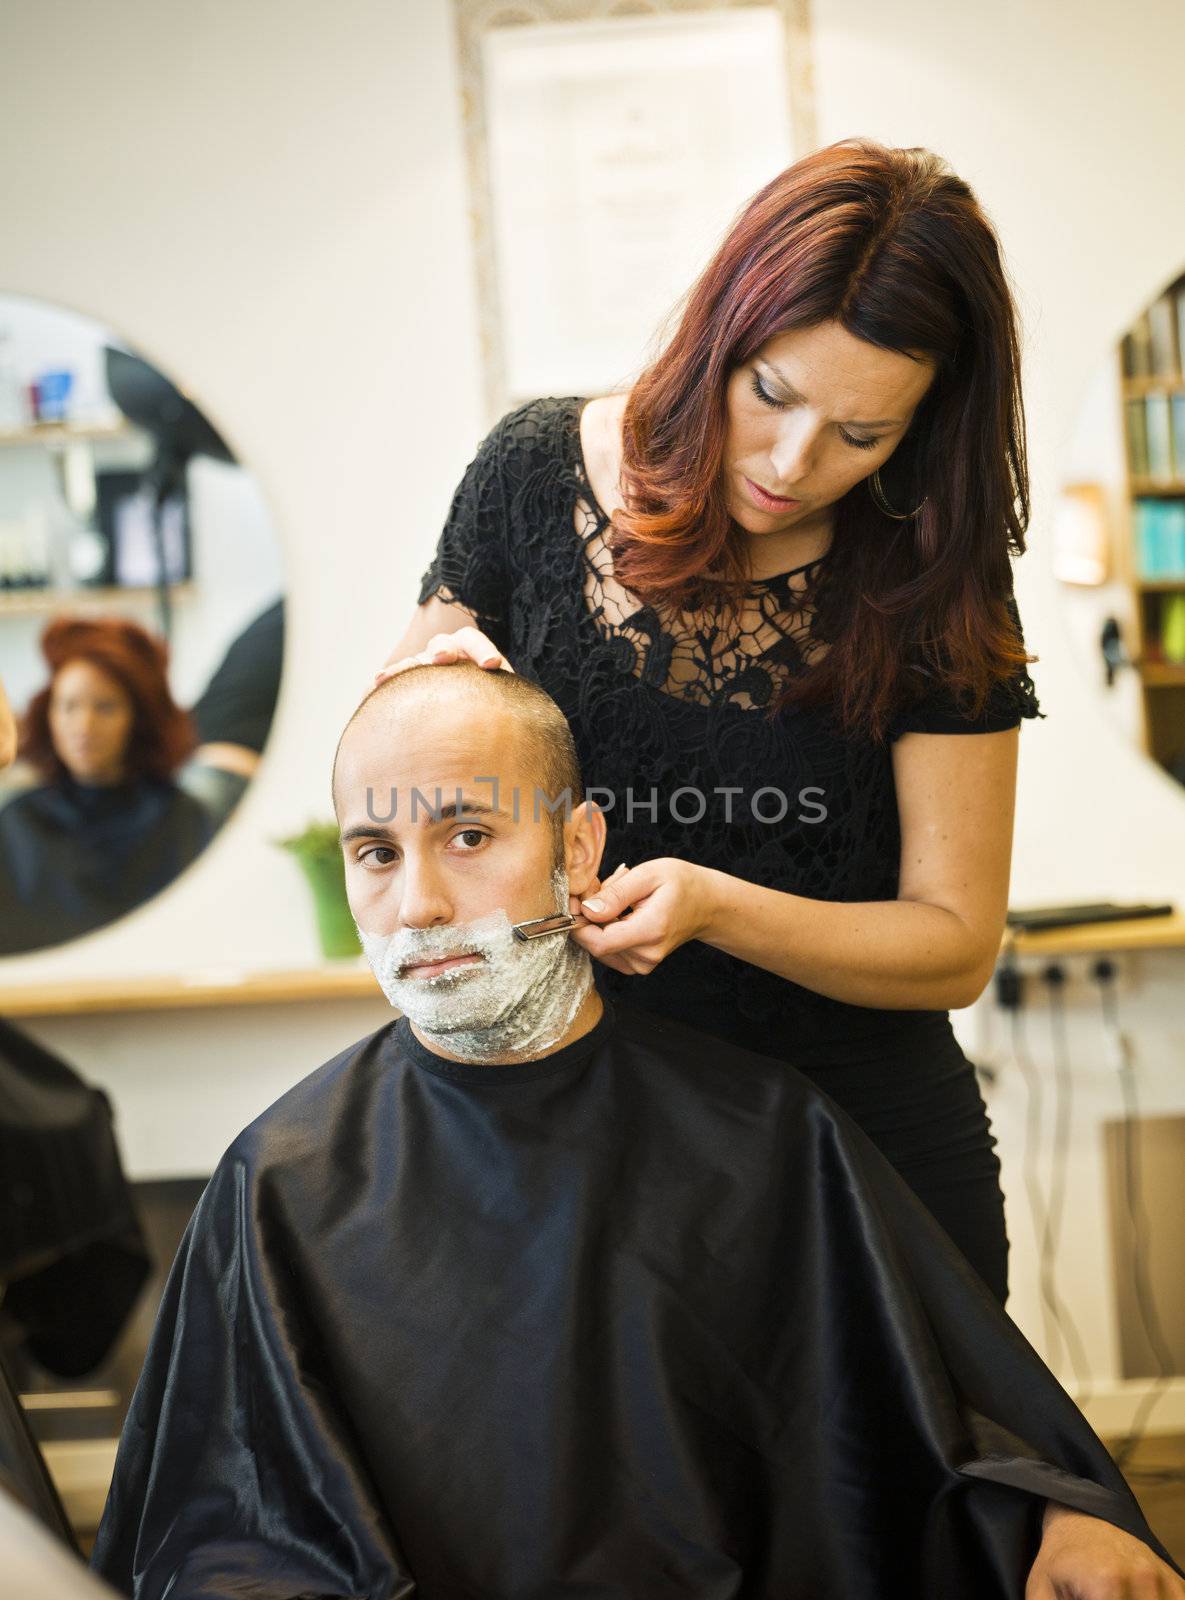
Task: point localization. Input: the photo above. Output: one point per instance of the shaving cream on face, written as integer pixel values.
(517, 1000)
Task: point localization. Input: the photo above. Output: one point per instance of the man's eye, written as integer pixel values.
(471, 833)
(378, 850)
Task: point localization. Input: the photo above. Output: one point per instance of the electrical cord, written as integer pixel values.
(1010, 996)
(1059, 1327)
(1054, 978)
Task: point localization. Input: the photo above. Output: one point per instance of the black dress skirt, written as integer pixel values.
(676, 749)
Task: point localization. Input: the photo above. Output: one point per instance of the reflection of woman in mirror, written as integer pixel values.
(806, 709)
(233, 717)
(108, 828)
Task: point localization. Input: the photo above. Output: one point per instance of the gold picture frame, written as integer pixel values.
(475, 18)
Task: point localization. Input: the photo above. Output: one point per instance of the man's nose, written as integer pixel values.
(424, 900)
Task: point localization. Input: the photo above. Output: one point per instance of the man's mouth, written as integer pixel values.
(430, 969)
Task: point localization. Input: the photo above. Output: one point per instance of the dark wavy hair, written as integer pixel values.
(162, 736)
(894, 247)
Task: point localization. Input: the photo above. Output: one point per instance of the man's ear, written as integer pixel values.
(584, 837)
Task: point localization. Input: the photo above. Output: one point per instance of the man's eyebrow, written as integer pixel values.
(882, 422)
(426, 811)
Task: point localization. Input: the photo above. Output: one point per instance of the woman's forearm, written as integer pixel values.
(897, 954)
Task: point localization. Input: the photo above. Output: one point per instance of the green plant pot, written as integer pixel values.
(1172, 629)
(335, 924)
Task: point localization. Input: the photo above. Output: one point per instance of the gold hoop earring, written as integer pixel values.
(878, 495)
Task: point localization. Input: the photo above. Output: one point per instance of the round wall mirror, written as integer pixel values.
(1119, 531)
(141, 626)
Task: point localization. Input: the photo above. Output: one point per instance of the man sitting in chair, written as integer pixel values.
(534, 1294)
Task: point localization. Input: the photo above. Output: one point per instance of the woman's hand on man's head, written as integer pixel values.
(466, 644)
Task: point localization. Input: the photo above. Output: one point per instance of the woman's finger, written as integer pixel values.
(442, 649)
(599, 883)
(470, 643)
(581, 921)
(393, 667)
(605, 909)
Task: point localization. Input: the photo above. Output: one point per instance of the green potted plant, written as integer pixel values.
(319, 852)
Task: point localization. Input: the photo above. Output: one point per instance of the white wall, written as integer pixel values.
(269, 201)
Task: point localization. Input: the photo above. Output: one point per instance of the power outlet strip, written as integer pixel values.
(1079, 986)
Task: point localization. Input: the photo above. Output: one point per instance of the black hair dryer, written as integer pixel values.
(1114, 654)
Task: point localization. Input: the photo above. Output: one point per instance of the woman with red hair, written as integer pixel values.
(108, 828)
(770, 586)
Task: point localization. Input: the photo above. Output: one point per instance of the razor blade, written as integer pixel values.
(537, 927)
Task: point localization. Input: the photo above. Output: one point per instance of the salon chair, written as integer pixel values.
(23, 1473)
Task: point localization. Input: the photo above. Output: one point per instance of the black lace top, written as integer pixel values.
(670, 740)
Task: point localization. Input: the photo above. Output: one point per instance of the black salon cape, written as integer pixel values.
(648, 1318)
(73, 1256)
(75, 856)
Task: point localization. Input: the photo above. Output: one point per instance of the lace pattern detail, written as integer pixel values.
(665, 709)
(691, 656)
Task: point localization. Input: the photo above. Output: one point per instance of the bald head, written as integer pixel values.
(494, 706)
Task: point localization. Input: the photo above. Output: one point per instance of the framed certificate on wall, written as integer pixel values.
(609, 156)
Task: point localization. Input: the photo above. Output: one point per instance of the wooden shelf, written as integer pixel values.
(62, 433)
(18, 602)
(1155, 337)
(1154, 486)
(1162, 675)
(1158, 383)
(1143, 933)
(351, 980)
